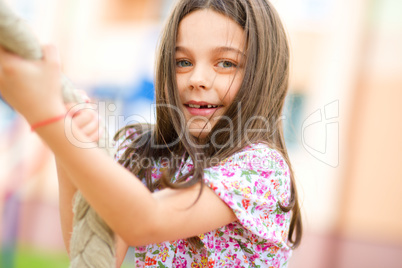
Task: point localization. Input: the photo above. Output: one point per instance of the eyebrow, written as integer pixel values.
(218, 49)
(230, 49)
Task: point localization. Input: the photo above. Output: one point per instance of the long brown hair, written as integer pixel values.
(260, 97)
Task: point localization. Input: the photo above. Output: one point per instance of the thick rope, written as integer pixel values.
(92, 241)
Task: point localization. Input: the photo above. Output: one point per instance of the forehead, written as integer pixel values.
(210, 28)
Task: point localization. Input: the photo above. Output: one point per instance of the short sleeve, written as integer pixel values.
(123, 142)
(252, 183)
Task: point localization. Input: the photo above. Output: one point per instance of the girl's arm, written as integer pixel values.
(88, 122)
(138, 216)
(130, 209)
(66, 194)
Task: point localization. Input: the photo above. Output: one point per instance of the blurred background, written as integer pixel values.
(342, 122)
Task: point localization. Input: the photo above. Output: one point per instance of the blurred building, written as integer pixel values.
(346, 85)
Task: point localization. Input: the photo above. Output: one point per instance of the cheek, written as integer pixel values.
(181, 81)
(229, 89)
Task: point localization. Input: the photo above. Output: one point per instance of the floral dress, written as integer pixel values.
(251, 182)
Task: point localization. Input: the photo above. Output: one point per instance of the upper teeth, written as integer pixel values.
(199, 106)
(194, 106)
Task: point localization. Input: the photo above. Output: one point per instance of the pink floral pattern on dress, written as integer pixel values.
(252, 182)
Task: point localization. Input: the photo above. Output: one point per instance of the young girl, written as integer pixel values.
(210, 185)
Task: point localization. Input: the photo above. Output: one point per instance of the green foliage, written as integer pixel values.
(33, 258)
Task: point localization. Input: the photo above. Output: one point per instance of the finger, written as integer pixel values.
(83, 118)
(83, 111)
(51, 54)
(69, 105)
(90, 129)
(94, 137)
(8, 60)
(71, 110)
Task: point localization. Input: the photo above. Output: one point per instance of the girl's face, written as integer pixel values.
(209, 67)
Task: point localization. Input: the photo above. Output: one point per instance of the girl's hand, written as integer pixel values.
(33, 88)
(88, 121)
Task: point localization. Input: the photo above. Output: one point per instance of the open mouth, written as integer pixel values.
(207, 106)
(202, 108)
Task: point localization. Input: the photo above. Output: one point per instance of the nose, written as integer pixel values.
(201, 78)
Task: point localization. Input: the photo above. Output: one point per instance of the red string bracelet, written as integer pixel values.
(47, 121)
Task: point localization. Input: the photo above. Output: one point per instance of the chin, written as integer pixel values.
(199, 128)
(199, 134)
